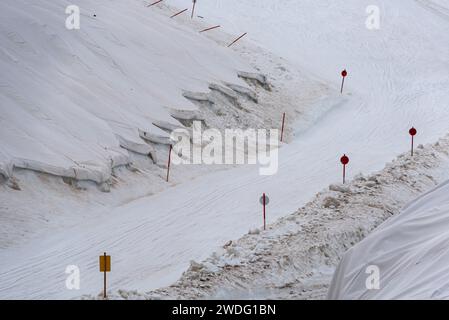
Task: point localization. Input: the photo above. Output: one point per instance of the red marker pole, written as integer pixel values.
(211, 28)
(344, 160)
(237, 39)
(178, 13)
(152, 4)
(282, 129)
(193, 9)
(344, 73)
(169, 161)
(413, 133)
(264, 215)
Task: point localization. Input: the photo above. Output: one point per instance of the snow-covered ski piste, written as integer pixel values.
(295, 258)
(88, 161)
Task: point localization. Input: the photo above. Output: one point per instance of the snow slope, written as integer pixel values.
(296, 257)
(397, 78)
(73, 101)
(410, 250)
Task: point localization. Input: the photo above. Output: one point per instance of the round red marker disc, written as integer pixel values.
(344, 160)
(413, 132)
(344, 73)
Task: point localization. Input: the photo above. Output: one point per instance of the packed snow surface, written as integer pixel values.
(296, 257)
(397, 79)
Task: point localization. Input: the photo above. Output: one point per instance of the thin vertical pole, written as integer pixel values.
(169, 161)
(193, 9)
(282, 130)
(264, 216)
(104, 277)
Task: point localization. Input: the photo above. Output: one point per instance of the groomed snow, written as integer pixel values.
(296, 256)
(72, 101)
(397, 78)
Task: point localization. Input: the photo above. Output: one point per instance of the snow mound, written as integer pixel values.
(73, 102)
(409, 250)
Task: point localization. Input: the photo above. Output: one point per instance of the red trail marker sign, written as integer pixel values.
(344, 161)
(413, 133)
(344, 74)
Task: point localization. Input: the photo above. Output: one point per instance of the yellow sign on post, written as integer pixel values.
(105, 263)
(105, 266)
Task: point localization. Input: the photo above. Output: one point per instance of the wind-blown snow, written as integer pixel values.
(397, 78)
(69, 99)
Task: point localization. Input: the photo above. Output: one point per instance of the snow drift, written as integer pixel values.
(410, 251)
(72, 102)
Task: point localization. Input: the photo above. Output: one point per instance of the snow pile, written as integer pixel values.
(410, 251)
(296, 256)
(72, 102)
